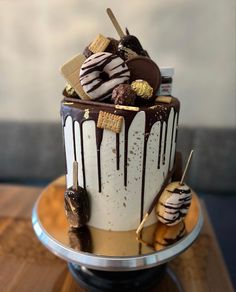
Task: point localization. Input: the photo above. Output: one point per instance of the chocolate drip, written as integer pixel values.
(74, 147)
(180, 191)
(99, 135)
(117, 151)
(82, 154)
(150, 119)
(183, 206)
(164, 152)
(128, 121)
(64, 148)
(171, 145)
(144, 170)
(160, 146)
(153, 114)
(99, 65)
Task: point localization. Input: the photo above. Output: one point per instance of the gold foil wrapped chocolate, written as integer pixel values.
(142, 88)
(70, 90)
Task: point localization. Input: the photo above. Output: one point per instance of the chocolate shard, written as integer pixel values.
(77, 207)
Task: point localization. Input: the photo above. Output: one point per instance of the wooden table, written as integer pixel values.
(25, 265)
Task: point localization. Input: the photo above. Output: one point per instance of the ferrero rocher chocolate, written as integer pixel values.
(123, 95)
(70, 91)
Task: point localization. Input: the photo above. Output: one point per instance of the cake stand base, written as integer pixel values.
(97, 281)
(109, 260)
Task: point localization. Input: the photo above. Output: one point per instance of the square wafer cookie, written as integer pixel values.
(99, 44)
(71, 72)
(109, 121)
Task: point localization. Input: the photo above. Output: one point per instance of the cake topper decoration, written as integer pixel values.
(175, 200)
(99, 44)
(101, 73)
(142, 88)
(115, 23)
(123, 94)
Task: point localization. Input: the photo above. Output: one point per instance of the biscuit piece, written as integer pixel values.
(109, 121)
(167, 235)
(174, 203)
(71, 72)
(164, 99)
(99, 44)
(142, 88)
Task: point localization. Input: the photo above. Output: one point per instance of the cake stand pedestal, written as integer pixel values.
(104, 260)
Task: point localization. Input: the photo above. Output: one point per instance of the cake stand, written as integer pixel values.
(106, 260)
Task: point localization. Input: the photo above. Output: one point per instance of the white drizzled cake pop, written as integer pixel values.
(174, 203)
(175, 200)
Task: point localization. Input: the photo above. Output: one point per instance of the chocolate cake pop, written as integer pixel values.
(76, 202)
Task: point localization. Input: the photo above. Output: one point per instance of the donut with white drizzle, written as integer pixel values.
(174, 203)
(93, 70)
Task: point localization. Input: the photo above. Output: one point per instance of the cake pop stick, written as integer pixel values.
(115, 23)
(186, 167)
(75, 175)
(140, 227)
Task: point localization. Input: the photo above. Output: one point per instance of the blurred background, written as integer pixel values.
(197, 38)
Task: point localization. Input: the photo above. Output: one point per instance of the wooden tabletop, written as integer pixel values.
(26, 265)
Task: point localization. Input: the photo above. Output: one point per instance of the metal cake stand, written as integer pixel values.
(90, 249)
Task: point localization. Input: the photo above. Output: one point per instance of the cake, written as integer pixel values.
(120, 129)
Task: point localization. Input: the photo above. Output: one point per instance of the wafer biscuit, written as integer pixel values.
(164, 99)
(109, 121)
(99, 44)
(71, 72)
(127, 107)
